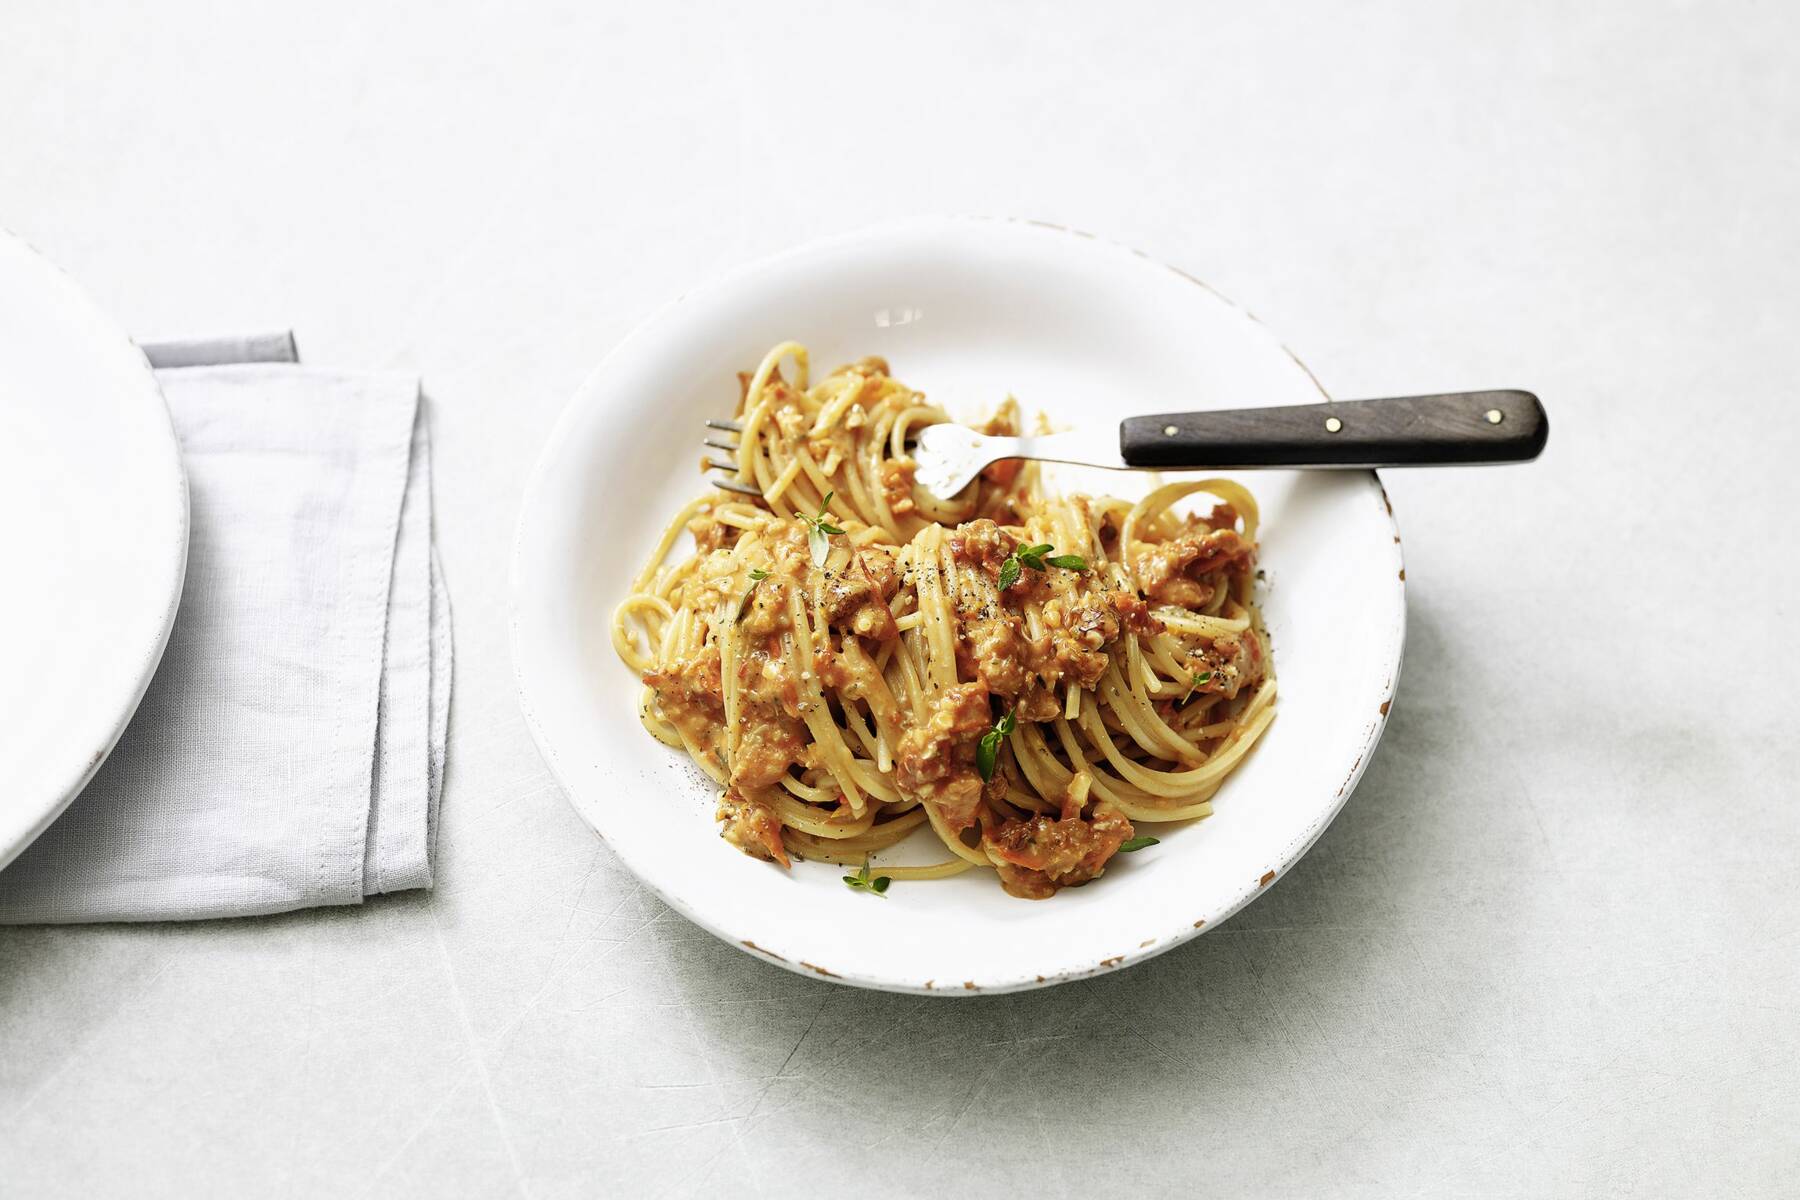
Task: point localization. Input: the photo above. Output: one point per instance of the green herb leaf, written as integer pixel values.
(862, 883)
(757, 575)
(1137, 843)
(1035, 558)
(818, 530)
(1199, 678)
(987, 750)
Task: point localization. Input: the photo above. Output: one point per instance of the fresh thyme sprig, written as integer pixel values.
(757, 575)
(819, 532)
(1199, 678)
(987, 750)
(861, 882)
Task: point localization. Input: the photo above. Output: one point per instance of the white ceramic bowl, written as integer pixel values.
(967, 311)
(93, 523)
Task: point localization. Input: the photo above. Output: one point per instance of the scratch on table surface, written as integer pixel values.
(994, 1063)
(782, 1069)
(632, 933)
(306, 1047)
(910, 1129)
(75, 1053)
(515, 794)
(1092, 987)
(1032, 1040)
(737, 1125)
(1537, 817)
(596, 1003)
(559, 963)
(1051, 1132)
(950, 1126)
(677, 1185)
(637, 889)
(734, 1124)
(417, 1131)
(481, 1071)
(1160, 1050)
(709, 1123)
(897, 1016)
(613, 946)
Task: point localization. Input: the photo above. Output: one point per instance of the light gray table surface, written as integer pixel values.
(1550, 946)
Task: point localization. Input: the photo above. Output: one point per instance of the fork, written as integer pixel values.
(1447, 429)
(728, 465)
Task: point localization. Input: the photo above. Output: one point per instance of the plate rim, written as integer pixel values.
(16, 838)
(1217, 914)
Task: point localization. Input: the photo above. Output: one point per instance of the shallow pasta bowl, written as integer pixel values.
(968, 311)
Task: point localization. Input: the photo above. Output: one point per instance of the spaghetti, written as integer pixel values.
(851, 658)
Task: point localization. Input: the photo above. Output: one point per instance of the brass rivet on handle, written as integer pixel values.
(1495, 416)
(1332, 424)
(1170, 430)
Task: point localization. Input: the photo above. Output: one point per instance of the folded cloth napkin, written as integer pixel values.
(290, 750)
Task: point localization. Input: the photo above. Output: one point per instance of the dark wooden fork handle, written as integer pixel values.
(1404, 431)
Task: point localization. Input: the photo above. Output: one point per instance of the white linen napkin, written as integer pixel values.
(290, 750)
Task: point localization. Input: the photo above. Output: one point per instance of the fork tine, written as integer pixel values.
(732, 485)
(728, 465)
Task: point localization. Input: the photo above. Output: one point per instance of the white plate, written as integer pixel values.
(966, 310)
(93, 529)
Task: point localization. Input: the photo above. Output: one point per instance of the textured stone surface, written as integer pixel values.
(1549, 948)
